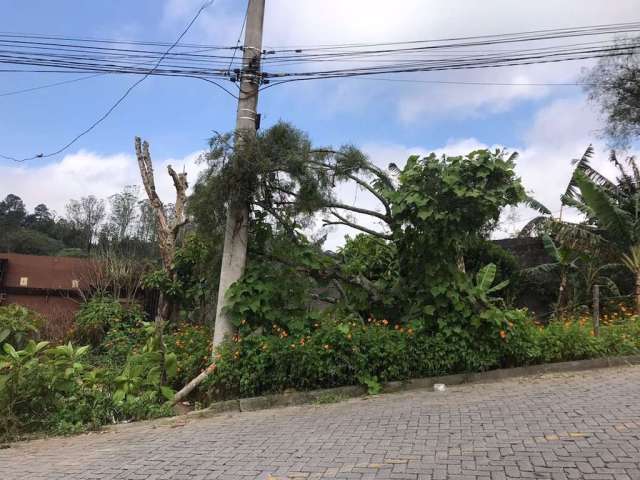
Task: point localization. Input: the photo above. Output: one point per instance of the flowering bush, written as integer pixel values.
(192, 347)
(572, 339)
(345, 352)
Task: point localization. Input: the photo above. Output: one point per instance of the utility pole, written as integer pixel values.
(234, 254)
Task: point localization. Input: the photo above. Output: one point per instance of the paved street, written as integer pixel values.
(579, 425)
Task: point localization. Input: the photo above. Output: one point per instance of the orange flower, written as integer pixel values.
(503, 334)
(385, 322)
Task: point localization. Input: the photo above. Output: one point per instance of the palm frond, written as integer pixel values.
(584, 165)
(513, 157)
(550, 247)
(540, 269)
(578, 234)
(577, 203)
(609, 216)
(534, 226)
(611, 286)
(624, 180)
(536, 205)
(631, 161)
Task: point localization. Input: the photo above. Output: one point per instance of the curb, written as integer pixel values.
(280, 400)
(332, 395)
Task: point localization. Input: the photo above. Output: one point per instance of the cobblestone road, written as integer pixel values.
(581, 425)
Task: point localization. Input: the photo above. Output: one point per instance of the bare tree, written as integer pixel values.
(146, 225)
(86, 215)
(168, 229)
(123, 211)
(111, 273)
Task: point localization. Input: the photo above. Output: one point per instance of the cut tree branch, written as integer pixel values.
(343, 221)
(360, 182)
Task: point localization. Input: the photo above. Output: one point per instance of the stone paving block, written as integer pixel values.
(580, 425)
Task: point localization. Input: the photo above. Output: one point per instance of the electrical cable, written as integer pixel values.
(60, 54)
(205, 5)
(49, 85)
(244, 23)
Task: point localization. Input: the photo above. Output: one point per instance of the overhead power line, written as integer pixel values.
(122, 97)
(212, 63)
(69, 54)
(49, 85)
(491, 84)
(244, 23)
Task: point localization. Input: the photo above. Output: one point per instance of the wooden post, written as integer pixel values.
(596, 310)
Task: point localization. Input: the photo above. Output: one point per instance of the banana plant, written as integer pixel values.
(564, 261)
(483, 286)
(613, 206)
(617, 214)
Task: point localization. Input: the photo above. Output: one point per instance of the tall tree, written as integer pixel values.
(12, 211)
(86, 215)
(614, 84)
(41, 219)
(147, 223)
(123, 211)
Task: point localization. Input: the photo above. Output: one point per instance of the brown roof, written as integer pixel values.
(55, 273)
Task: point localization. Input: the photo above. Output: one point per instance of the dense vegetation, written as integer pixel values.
(127, 224)
(419, 290)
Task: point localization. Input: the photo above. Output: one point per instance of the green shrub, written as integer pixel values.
(18, 325)
(95, 318)
(345, 352)
(350, 352)
(125, 335)
(55, 389)
(572, 339)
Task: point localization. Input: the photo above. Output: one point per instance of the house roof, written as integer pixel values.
(41, 272)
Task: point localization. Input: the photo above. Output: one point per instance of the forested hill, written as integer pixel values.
(122, 221)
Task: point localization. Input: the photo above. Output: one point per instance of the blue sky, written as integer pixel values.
(548, 125)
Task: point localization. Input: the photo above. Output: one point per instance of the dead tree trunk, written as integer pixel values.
(167, 231)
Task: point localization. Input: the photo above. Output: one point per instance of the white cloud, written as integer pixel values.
(88, 173)
(559, 132)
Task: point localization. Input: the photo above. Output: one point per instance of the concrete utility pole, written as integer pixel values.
(236, 233)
